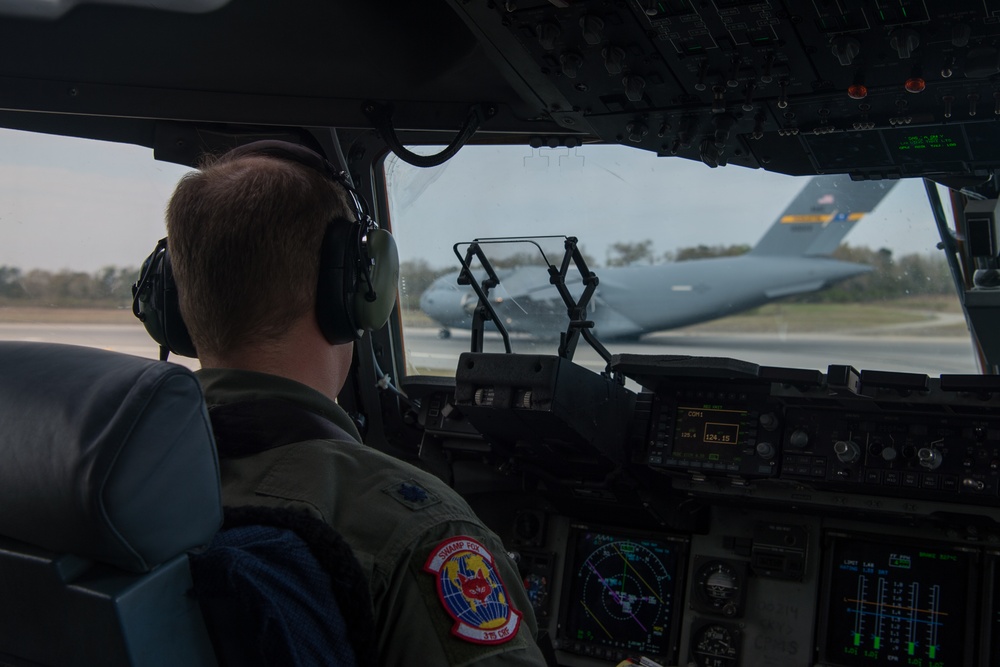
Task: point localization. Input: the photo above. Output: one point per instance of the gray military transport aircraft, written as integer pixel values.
(707, 512)
(793, 257)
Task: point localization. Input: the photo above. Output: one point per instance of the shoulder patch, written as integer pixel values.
(411, 494)
(471, 591)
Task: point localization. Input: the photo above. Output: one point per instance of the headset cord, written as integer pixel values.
(384, 383)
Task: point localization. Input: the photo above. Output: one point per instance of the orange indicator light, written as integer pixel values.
(915, 85)
(857, 91)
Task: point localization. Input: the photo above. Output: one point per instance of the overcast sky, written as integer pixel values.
(80, 205)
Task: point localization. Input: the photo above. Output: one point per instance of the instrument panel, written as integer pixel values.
(743, 516)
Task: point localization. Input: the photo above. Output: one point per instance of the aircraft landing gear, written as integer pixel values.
(444, 333)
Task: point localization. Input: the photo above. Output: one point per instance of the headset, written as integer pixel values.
(358, 268)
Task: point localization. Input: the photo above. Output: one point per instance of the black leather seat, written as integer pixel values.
(108, 478)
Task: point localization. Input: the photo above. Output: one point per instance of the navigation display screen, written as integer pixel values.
(894, 604)
(623, 594)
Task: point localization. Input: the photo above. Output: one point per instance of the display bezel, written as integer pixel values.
(989, 644)
(835, 542)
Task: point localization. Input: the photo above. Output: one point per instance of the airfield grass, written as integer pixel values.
(912, 316)
(916, 316)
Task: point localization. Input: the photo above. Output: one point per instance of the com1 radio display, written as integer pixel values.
(700, 430)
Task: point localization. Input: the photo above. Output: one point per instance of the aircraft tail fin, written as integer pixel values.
(821, 215)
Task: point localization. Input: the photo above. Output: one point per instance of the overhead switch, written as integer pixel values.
(634, 87)
(846, 49)
(614, 59)
(548, 34)
(637, 131)
(960, 34)
(570, 63)
(982, 63)
(593, 29)
(904, 40)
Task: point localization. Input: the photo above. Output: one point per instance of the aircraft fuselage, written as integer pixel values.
(635, 300)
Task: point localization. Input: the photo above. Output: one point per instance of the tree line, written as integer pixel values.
(110, 287)
(891, 277)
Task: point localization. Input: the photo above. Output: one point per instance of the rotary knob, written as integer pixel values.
(765, 450)
(847, 451)
(929, 458)
(799, 438)
(769, 421)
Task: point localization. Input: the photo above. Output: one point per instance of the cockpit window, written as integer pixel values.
(767, 268)
(762, 267)
(77, 217)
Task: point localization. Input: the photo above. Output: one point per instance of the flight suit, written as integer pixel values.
(444, 590)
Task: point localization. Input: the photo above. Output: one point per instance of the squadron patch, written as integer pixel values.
(472, 592)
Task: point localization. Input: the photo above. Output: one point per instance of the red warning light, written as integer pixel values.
(915, 84)
(857, 91)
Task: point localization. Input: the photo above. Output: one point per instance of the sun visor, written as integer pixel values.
(104, 455)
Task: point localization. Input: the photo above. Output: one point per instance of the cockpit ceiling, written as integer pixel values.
(876, 89)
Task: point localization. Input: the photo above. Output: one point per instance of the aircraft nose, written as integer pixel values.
(428, 300)
(438, 302)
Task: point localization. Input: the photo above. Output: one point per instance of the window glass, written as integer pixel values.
(762, 267)
(77, 217)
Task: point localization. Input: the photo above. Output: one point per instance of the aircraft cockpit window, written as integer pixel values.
(77, 217)
(776, 270)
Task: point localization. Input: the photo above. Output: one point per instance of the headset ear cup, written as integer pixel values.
(335, 287)
(371, 315)
(178, 340)
(157, 305)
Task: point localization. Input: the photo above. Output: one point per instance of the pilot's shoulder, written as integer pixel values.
(348, 485)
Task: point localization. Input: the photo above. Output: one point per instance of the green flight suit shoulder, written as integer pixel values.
(472, 610)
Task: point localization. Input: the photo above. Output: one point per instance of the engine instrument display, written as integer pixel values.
(895, 604)
(623, 594)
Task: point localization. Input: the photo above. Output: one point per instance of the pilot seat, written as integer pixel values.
(110, 499)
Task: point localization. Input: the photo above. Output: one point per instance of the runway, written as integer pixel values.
(426, 353)
(930, 355)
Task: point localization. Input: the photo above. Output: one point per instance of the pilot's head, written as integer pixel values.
(245, 234)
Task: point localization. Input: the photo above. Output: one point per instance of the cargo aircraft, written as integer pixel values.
(663, 511)
(792, 258)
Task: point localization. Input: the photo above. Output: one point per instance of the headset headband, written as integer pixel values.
(307, 157)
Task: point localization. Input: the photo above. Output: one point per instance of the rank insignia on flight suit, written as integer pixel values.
(411, 494)
(472, 592)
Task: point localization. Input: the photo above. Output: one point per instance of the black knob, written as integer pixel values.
(799, 438)
(847, 451)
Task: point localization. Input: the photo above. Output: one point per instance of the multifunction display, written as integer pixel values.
(622, 594)
(893, 604)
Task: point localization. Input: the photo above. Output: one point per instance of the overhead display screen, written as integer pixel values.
(623, 594)
(941, 144)
(892, 604)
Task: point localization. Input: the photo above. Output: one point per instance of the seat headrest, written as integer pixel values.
(104, 455)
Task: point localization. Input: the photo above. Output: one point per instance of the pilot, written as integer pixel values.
(245, 233)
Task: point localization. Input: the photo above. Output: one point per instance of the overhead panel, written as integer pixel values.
(875, 88)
